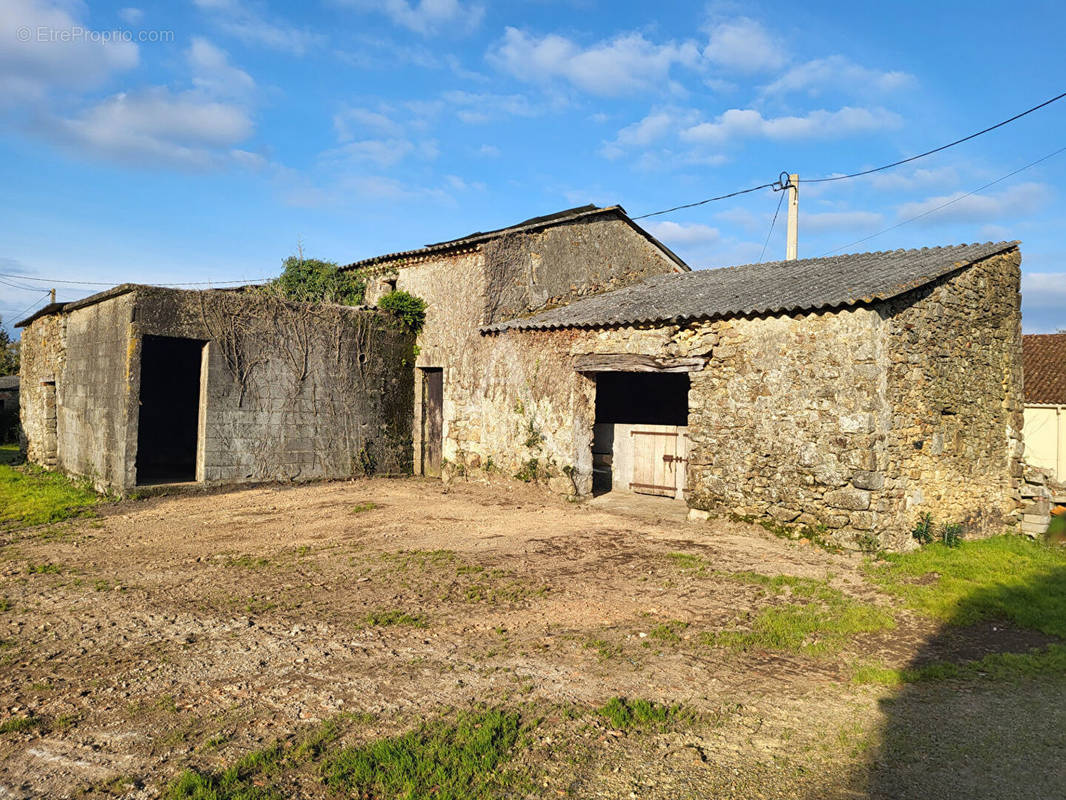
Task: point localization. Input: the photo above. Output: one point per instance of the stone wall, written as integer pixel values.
(510, 276)
(529, 272)
(95, 393)
(955, 386)
(288, 391)
(804, 420)
(42, 355)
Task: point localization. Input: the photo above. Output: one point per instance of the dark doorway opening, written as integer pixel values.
(632, 398)
(645, 398)
(170, 409)
(432, 420)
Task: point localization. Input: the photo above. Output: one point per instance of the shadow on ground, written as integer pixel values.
(997, 730)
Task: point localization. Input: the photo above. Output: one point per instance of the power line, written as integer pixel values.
(710, 200)
(945, 205)
(18, 316)
(780, 185)
(938, 149)
(112, 283)
(772, 223)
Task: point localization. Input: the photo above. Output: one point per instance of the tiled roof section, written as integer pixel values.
(1044, 358)
(778, 287)
(529, 225)
(9, 382)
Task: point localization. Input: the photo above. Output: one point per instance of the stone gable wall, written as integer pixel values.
(510, 276)
(955, 385)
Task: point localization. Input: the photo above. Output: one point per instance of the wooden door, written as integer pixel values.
(432, 420)
(660, 455)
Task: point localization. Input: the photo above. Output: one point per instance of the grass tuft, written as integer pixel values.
(444, 760)
(20, 724)
(1047, 662)
(626, 715)
(359, 508)
(30, 495)
(1004, 577)
(387, 618)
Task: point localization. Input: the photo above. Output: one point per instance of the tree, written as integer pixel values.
(308, 280)
(9, 352)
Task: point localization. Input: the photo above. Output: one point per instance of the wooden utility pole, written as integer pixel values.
(52, 296)
(793, 217)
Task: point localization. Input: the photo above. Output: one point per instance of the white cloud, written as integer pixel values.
(659, 124)
(1025, 198)
(28, 69)
(159, 126)
(381, 153)
(349, 120)
(744, 45)
(676, 233)
(131, 16)
(426, 17)
(488, 151)
(625, 64)
(915, 179)
(839, 221)
(747, 123)
(475, 108)
(837, 72)
(1045, 290)
(212, 72)
(242, 21)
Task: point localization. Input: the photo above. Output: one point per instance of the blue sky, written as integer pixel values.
(206, 139)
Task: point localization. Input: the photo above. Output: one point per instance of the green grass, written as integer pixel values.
(44, 569)
(625, 715)
(388, 618)
(9, 454)
(1005, 577)
(239, 782)
(1046, 662)
(20, 724)
(246, 561)
(444, 760)
(359, 508)
(815, 628)
(30, 495)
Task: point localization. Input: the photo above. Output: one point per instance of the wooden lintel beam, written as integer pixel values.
(635, 362)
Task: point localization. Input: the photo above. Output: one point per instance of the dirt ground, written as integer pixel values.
(185, 631)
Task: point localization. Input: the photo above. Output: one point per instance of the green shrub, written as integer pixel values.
(951, 534)
(308, 280)
(923, 531)
(409, 310)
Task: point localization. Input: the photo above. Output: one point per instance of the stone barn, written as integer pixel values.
(139, 385)
(490, 277)
(850, 394)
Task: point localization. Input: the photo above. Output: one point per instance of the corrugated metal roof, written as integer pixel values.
(778, 287)
(529, 225)
(9, 382)
(1044, 357)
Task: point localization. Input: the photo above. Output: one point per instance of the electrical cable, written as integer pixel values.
(945, 205)
(773, 222)
(18, 316)
(109, 283)
(710, 200)
(937, 149)
(779, 185)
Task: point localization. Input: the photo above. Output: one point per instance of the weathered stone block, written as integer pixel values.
(848, 499)
(868, 480)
